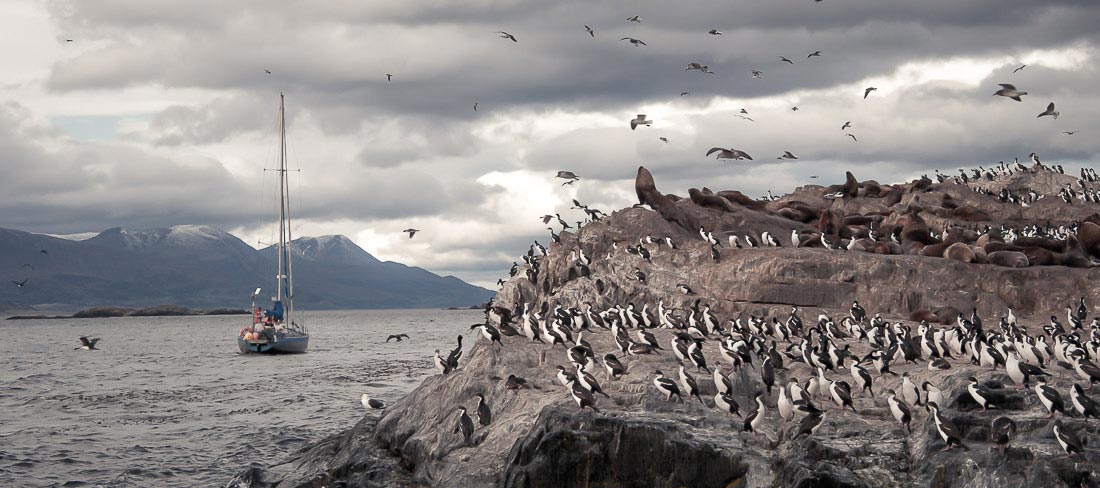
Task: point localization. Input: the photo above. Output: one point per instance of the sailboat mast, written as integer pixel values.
(282, 201)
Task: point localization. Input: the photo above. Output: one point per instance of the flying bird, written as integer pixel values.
(1022, 66)
(698, 66)
(814, 54)
(867, 91)
(1069, 132)
(787, 155)
(505, 35)
(389, 77)
(784, 59)
(87, 344)
(398, 337)
(267, 71)
(635, 42)
(757, 74)
(68, 40)
(635, 18)
(589, 30)
(1007, 90)
(663, 139)
(44, 252)
(684, 94)
(794, 109)
(714, 32)
(846, 125)
(475, 106)
(568, 175)
(745, 117)
(19, 284)
(724, 153)
(1049, 111)
(640, 120)
(853, 136)
(27, 265)
(411, 232)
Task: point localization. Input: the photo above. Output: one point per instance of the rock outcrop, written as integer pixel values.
(540, 438)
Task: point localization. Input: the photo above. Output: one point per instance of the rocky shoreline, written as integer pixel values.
(157, 311)
(539, 438)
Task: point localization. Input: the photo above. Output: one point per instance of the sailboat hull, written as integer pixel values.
(283, 344)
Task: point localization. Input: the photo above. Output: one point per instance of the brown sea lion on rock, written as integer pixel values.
(915, 229)
(938, 249)
(1053, 245)
(923, 316)
(856, 219)
(798, 213)
(892, 197)
(1008, 259)
(710, 201)
(947, 315)
(923, 184)
(831, 222)
(1074, 259)
(995, 246)
(851, 186)
(967, 213)
(1038, 256)
(959, 252)
(648, 195)
(1088, 235)
(741, 199)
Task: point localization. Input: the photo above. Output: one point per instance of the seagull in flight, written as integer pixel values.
(867, 91)
(635, 42)
(784, 59)
(635, 18)
(412, 232)
(814, 54)
(757, 74)
(745, 117)
(1022, 66)
(19, 284)
(87, 344)
(794, 108)
(475, 106)
(853, 136)
(1049, 111)
(663, 139)
(505, 35)
(398, 337)
(640, 120)
(724, 153)
(1069, 132)
(846, 125)
(787, 155)
(389, 77)
(1010, 91)
(567, 175)
(68, 40)
(589, 30)
(267, 71)
(684, 94)
(714, 32)
(44, 252)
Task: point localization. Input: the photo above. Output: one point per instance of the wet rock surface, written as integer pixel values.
(540, 438)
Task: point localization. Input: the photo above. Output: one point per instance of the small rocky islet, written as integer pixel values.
(939, 266)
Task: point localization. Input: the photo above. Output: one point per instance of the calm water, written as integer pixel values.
(169, 401)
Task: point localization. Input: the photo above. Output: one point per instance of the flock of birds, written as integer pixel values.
(748, 353)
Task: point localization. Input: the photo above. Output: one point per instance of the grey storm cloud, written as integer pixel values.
(415, 148)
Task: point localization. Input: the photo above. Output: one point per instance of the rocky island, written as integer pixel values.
(157, 311)
(940, 267)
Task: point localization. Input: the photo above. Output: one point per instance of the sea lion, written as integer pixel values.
(648, 195)
(1008, 259)
(959, 252)
(710, 201)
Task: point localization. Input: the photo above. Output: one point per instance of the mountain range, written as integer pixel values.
(200, 266)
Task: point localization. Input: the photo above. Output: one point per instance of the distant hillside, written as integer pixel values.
(199, 266)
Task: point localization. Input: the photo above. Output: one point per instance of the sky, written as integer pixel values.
(161, 113)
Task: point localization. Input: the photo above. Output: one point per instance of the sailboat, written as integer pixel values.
(275, 330)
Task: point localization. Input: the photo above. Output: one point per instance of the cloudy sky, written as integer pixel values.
(160, 112)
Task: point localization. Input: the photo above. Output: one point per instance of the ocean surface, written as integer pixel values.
(170, 401)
